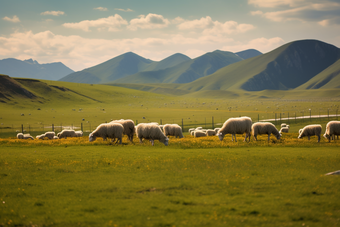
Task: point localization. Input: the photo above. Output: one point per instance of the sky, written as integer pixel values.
(84, 33)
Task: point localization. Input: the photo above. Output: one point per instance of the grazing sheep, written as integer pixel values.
(235, 126)
(198, 128)
(129, 127)
(55, 137)
(191, 129)
(199, 133)
(265, 128)
(79, 133)
(311, 130)
(192, 133)
(216, 130)
(20, 135)
(284, 129)
(173, 130)
(67, 133)
(332, 129)
(151, 132)
(300, 130)
(108, 130)
(40, 137)
(49, 135)
(210, 132)
(283, 125)
(28, 136)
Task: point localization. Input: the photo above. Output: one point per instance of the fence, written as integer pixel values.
(207, 122)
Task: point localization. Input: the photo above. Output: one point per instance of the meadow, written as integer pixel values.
(192, 182)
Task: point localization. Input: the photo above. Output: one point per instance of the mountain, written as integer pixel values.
(248, 53)
(286, 67)
(32, 69)
(187, 71)
(10, 88)
(120, 67)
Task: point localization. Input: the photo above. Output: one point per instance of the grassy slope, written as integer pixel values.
(328, 78)
(100, 185)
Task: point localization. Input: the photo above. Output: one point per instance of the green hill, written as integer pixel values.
(187, 71)
(286, 67)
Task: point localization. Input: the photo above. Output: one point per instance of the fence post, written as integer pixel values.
(205, 120)
(161, 122)
(81, 126)
(328, 114)
(288, 118)
(258, 117)
(29, 129)
(52, 127)
(182, 126)
(280, 118)
(22, 128)
(295, 117)
(212, 120)
(275, 118)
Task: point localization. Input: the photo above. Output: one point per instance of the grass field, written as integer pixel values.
(192, 182)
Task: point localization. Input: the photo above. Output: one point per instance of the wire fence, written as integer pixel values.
(9, 130)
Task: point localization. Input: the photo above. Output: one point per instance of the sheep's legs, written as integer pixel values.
(140, 140)
(152, 142)
(268, 137)
(318, 138)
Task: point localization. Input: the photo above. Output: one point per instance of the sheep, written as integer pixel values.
(199, 133)
(198, 128)
(55, 137)
(265, 128)
(129, 127)
(235, 126)
(173, 130)
(28, 136)
(283, 125)
(216, 130)
(20, 135)
(67, 133)
(79, 133)
(49, 135)
(191, 129)
(40, 137)
(108, 130)
(151, 132)
(300, 130)
(284, 129)
(311, 130)
(332, 129)
(192, 133)
(210, 132)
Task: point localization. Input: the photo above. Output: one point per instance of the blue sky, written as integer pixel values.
(84, 33)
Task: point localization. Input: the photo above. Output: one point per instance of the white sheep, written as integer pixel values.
(199, 133)
(192, 132)
(40, 137)
(235, 126)
(67, 133)
(198, 128)
(129, 127)
(265, 128)
(210, 132)
(20, 135)
(79, 133)
(191, 129)
(300, 130)
(49, 135)
(151, 132)
(311, 130)
(332, 129)
(55, 137)
(283, 125)
(108, 130)
(216, 130)
(173, 130)
(28, 136)
(284, 129)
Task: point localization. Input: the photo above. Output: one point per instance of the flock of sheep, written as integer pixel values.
(152, 131)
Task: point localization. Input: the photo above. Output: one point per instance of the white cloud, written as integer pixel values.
(100, 8)
(53, 13)
(215, 27)
(322, 12)
(177, 20)
(261, 44)
(151, 21)
(111, 23)
(15, 19)
(124, 10)
(275, 3)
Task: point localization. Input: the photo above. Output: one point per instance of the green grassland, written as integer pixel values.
(192, 182)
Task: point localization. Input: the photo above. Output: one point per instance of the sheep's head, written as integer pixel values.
(279, 136)
(326, 136)
(92, 138)
(166, 142)
(220, 136)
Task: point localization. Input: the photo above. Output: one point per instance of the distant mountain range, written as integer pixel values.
(32, 69)
(178, 68)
